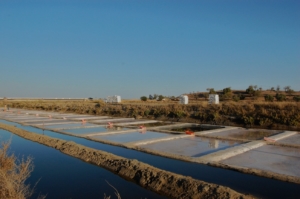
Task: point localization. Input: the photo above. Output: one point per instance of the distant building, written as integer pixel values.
(113, 99)
(213, 99)
(183, 99)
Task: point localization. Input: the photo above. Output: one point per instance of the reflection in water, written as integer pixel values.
(113, 128)
(213, 144)
(154, 124)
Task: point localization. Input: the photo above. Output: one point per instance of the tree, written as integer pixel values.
(227, 90)
(286, 88)
(212, 91)
(250, 90)
(160, 98)
(227, 93)
(278, 88)
(253, 91)
(272, 89)
(144, 98)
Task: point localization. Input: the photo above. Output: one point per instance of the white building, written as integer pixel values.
(113, 99)
(183, 99)
(213, 99)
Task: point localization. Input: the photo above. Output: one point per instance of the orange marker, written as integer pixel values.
(188, 132)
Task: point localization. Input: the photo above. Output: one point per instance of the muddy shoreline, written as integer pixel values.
(163, 182)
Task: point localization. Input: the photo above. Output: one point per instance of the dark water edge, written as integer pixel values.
(244, 183)
(62, 176)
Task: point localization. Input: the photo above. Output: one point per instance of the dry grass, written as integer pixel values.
(13, 174)
(276, 115)
(116, 192)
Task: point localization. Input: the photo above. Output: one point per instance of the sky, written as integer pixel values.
(132, 48)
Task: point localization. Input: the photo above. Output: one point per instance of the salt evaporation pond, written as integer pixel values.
(93, 130)
(66, 126)
(191, 146)
(244, 183)
(131, 137)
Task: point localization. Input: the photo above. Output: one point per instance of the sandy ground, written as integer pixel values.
(163, 182)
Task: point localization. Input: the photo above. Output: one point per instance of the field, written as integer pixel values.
(246, 113)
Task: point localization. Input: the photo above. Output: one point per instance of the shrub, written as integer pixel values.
(242, 97)
(227, 90)
(227, 93)
(280, 97)
(13, 175)
(236, 98)
(144, 98)
(253, 91)
(296, 98)
(269, 98)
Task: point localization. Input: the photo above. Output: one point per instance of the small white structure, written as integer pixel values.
(113, 99)
(183, 99)
(213, 99)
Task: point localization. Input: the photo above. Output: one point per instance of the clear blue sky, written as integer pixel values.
(135, 48)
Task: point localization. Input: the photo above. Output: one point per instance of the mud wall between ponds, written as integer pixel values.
(163, 182)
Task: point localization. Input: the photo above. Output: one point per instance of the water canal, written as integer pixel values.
(72, 176)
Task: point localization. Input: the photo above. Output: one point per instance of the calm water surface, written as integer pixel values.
(62, 176)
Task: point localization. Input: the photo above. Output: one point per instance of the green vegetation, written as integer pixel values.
(269, 98)
(144, 98)
(280, 97)
(211, 90)
(236, 98)
(160, 98)
(296, 98)
(227, 94)
(253, 91)
(288, 90)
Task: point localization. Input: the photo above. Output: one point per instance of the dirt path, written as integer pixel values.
(160, 181)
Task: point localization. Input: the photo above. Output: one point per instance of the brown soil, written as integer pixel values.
(163, 182)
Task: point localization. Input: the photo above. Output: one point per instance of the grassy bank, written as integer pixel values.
(275, 115)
